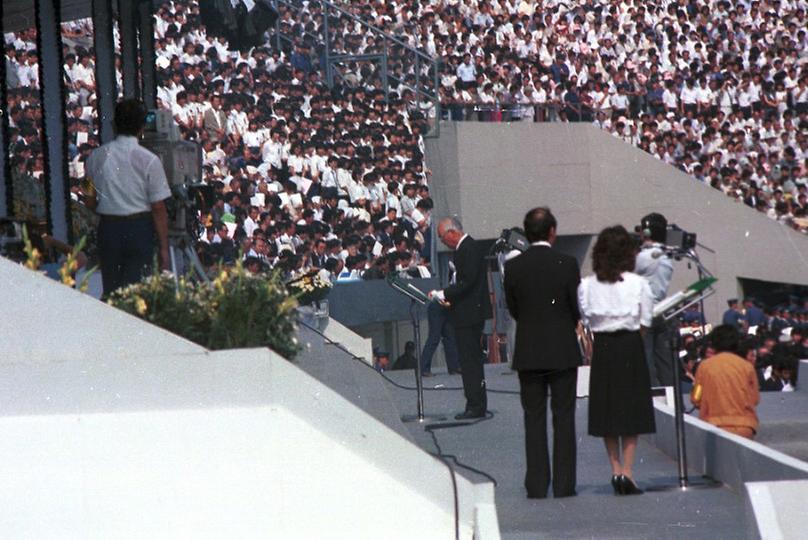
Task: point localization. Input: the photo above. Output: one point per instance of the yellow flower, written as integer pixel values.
(33, 260)
(140, 306)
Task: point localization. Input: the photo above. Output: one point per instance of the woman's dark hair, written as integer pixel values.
(130, 117)
(614, 253)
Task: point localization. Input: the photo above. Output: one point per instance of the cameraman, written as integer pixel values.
(654, 264)
(127, 186)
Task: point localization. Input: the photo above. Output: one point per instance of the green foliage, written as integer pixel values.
(237, 310)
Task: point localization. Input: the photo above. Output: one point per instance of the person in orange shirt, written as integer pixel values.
(726, 388)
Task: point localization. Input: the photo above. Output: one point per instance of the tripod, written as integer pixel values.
(183, 256)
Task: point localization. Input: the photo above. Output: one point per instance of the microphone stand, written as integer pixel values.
(417, 297)
(684, 483)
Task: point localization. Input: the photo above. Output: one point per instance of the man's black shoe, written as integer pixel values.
(456, 372)
(469, 415)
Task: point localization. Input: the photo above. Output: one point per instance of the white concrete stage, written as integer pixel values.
(113, 428)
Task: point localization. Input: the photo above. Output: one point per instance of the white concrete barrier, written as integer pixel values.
(353, 342)
(115, 428)
(776, 510)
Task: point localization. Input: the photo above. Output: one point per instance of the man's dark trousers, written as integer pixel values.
(658, 354)
(125, 250)
(471, 361)
(562, 386)
(439, 329)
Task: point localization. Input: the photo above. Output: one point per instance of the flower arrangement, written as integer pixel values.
(67, 270)
(237, 310)
(309, 288)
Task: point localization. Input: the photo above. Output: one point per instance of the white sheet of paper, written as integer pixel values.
(259, 200)
(81, 137)
(377, 249)
(231, 229)
(305, 184)
(79, 169)
(284, 198)
(296, 200)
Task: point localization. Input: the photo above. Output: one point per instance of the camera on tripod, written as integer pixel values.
(677, 239)
(511, 239)
(190, 197)
(674, 238)
(182, 162)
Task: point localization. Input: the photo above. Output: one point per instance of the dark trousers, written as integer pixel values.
(471, 361)
(533, 388)
(439, 329)
(658, 355)
(125, 251)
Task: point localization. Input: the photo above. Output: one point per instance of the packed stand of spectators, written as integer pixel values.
(27, 157)
(305, 177)
(773, 338)
(718, 89)
(24, 114)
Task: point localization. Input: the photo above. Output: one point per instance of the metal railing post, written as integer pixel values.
(385, 83)
(329, 76)
(436, 98)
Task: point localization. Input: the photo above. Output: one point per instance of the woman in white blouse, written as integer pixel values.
(616, 304)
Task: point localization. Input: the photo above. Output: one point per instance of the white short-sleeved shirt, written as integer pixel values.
(127, 177)
(610, 307)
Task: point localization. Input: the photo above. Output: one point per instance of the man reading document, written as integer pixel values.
(469, 307)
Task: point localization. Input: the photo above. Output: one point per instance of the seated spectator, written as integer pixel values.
(406, 360)
(779, 376)
(725, 389)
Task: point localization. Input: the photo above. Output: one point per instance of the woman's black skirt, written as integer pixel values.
(619, 386)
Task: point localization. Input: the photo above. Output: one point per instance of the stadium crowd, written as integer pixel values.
(718, 89)
(308, 178)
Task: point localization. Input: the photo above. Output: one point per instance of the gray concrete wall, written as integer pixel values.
(728, 458)
(490, 174)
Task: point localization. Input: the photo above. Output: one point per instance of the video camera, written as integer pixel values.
(511, 239)
(182, 162)
(674, 238)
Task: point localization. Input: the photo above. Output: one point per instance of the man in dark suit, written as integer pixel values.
(469, 307)
(541, 292)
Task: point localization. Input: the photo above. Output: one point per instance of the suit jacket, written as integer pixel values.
(468, 296)
(214, 121)
(541, 290)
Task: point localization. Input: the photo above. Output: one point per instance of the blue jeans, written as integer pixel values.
(439, 328)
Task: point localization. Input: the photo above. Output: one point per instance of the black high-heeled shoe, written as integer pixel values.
(628, 486)
(617, 485)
